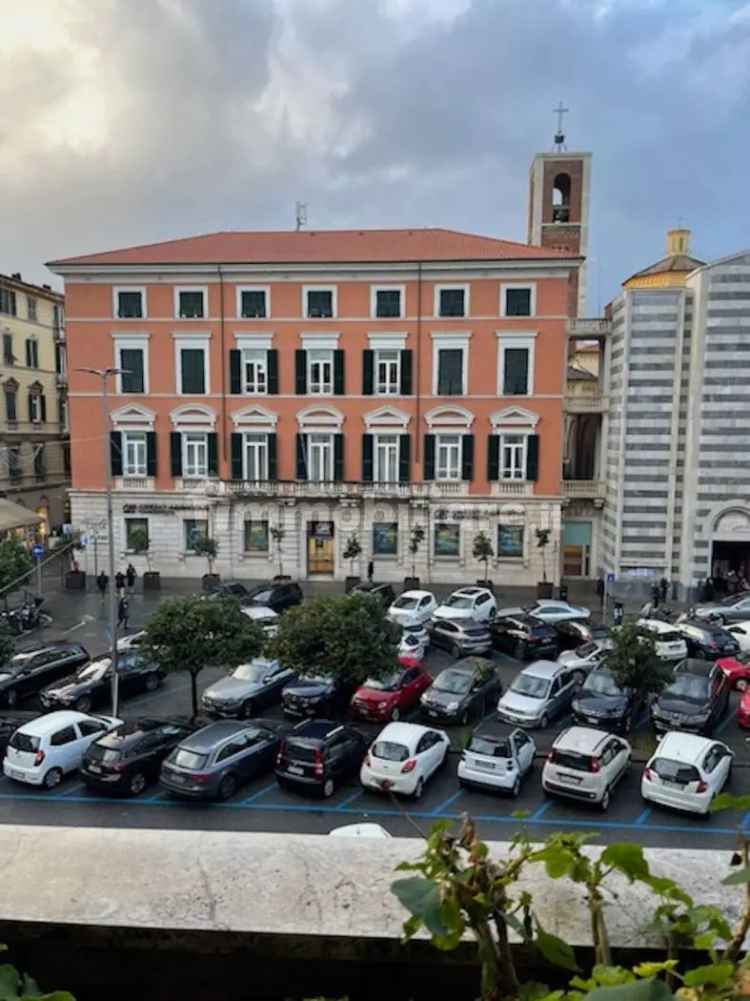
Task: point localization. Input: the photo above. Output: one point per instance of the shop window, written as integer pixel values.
(256, 536)
(385, 538)
(447, 540)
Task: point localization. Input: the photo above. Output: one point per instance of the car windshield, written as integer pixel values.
(601, 683)
(587, 649)
(528, 684)
(459, 601)
(93, 672)
(261, 597)
(387, 684)
(689, 686)
(668, 637)
(453, 682)
(675, 771)
(403, 602)
(184, 758)
(251, 672)
(492, 748)
(389, 751)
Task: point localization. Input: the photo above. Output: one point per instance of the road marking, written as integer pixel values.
(350, 799)
(257, 795)
(541, 811)
(84, 622)
(642, 817)
(452, 799)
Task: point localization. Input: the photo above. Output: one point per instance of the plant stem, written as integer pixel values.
(733, 950)
(508, 976)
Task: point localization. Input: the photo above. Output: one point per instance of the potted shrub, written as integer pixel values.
(209, 548)
(352, 551)
(415, 541)
(544, 587)
(484, 552)
(140, 545)
(277, 534)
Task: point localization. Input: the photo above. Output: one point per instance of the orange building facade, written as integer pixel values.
(329, 385)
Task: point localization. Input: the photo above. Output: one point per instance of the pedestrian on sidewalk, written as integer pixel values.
(101, 582)
(663, 589)
(370, 571)
(123, 613)
(600, 589)
(617, 613)
(130, 575)
(120, 583)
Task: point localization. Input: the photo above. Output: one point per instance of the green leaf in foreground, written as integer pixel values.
(735, 878)
(639, 990)
(421, 897)
(555, 950)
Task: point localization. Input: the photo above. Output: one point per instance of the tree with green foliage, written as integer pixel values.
(188, 634)
(15, 561)
(542, 541)
(483, 551)
(352, 551)
(415, 541)
(15, 986)
(205, 546)
(345, 636)
(633, 660)
(141, 544)
(277, 534)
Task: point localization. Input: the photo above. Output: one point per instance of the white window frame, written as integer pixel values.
(505, 286)
(260, 448)
(521, 339)
(198, 472)
(310, 361)
(115, 302)
(35, 406)
(259, 362)
(451, 287)
(32, 312)
(266, 289)
(450, 341)
(396, 391)
(374, 289)
(378, 444)
(131, 342)
(440, 444)
(326, 447)
(192, 342)
(333, 289)
(127, 470)
(203, 289)
(521, 446)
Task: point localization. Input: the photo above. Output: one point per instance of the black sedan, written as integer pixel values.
(467, 689)
(524, 637)
(570, 635)
(316, 695)
(603, 703)
(247, 688)
(278, 595)
(92, 685)
(30, 670)
(695, 700)
(384, 592)
(129, 758)
(706, 640)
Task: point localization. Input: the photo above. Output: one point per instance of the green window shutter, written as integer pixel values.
(272, 364)
(235, 372)
(213, 453)
(115, 452)
(367, 465)
(532, 457)
(300, 372)
(43, 407)
(235, 450)
(132, 379)
(272, 457)
(338, 458)
(368, 372)
(493, 457)
(193, 371)
(406, 369)
(151, 453)
(175, 452)
(404, 457)
(338, 373)
(467, 457)
(429, 457)
(301, 457)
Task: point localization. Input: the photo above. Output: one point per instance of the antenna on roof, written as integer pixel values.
(301, 213)
(560, 135)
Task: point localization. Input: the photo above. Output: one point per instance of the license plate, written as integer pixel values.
(487, 766)
(295, 770)
(94, 768)
(571, 779)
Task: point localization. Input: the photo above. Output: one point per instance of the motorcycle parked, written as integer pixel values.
(27, 616)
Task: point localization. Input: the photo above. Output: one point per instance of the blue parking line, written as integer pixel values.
(541, 811)
(642, 817)
(350, 799)
(451, 799)
(73, 791)
(257, 795)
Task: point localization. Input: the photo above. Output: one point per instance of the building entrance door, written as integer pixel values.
(320, 553)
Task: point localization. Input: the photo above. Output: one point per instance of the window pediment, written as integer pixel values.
(255, 418)
(449, 417)
(193, 416)
(513, 417)
(313, 418)
(134, 418)
(386, 417)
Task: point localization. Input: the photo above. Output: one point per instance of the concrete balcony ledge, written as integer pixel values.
(134, 483)
(583, 489)
(592, 327)
(308, 488)
(593, 404)
(512, 488)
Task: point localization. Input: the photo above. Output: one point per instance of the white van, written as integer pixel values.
(670, 645)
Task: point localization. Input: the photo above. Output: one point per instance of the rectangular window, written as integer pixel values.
(254, 370)
(319, 303)
(450, 381)
(256, 457)
(191, 304)
(14, 461)
(447, 540)
(516, 372)
(517, 301)
(134, 453)
(451, 302)
(132, 377)
(40, 462)
(385, 538)
(11, 413)
(386, 458)
(194, 454)
(8, 356)
(130, 304)
(32, 353)
(195, 530)
(256, 536)
(320, 371)
(31, 307)
(7, 301)
(193, 371)
(320, 457)
(513, 457)
(387, 371)
(387, 303)
(35, 407)
(133, 528)
(253, 303)
(448, 457)
(510, 541)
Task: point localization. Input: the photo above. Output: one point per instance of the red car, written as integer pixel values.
(736, 670)
(392, 697)
(743, 710)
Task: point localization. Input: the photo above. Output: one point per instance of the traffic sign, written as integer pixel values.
(610, 578)
(37, 551)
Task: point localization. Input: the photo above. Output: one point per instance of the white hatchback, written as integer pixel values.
(741, 632)
(403, 758)
(412, 608)
(496, 759)
(586, 764)
(670, 645)
(477, 603)
(686, 772)
(265, 617)
(42, 751)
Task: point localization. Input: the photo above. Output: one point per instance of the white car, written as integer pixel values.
(670, 645)
(413, 608)
(266, 618)
(413, 644)
(549, 611)
(131, 642)
(586, 764)
(360, 831)
(496, 760)
(741, 632)
(42, 751)
(403, 758)
(686, 772)
(475, 603)
(587, 656)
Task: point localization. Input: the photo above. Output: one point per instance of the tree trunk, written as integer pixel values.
(194, 692)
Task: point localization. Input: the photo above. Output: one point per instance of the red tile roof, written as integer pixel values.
(323, 246)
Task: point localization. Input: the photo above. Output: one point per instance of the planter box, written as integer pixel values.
(489, 584)
(544, 589)
(210, 578)
(411, 583)
(351, 582)
(152, 580)
(75, 580)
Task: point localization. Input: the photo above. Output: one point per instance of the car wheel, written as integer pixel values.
(418, 789)
(227, 787)
(152, 682)
(395, 714)
(83, 705)
(247, 709)
(53, 778)
(516, 787)
(11, 698)
(137, 784)
(604, 803)
(329, 788)
(519, 651)
(544, 722)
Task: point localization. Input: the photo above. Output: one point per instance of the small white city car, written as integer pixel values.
(741, 632)
(549, 610)
(475, 603)
(132, 641)
(42, 751)
(586, 764)
(496, 759)
(265, 617)
(412, 608)
(403, 758)
(670, 645)
(687, 772)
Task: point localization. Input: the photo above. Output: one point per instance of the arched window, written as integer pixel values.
(561, 198)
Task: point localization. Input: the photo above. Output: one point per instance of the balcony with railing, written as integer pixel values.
(512, 488)
(318, 490)
(584, 489)
(588, 327)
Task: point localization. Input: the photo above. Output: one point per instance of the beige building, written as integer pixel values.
(34, 449)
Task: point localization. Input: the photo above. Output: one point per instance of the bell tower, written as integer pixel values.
(559, 184)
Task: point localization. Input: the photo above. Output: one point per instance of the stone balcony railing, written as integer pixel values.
(585, 327)
(134, 483)
(594, 403)
(302, 489)
(584, 489)
(512, 488)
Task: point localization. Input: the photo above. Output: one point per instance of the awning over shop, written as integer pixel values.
(14, 516)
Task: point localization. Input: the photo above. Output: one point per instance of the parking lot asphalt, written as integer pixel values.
(263, 806)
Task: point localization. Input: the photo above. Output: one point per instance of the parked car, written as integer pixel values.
(129, 758)
(540, 693)
(524, 637)
(496, 759)
(403, 758)
(360, 831)
(687, 772)
(392, 697)
(30, 670)
(43, 751)
(316, 695)
(695, 700)
(131, 641)
(412, 608)
(573, 633)
(603, 703)
(464, 690)
(736, 670)
(706, 640)
(476, 603)
(215, 761)
(216, 590)
(742, 715)
(734, 608)
(384, 592)
(91, 685)
(460, 637)
(412, 647)
(246, 689)
(318, 755)
(278, 596)
(10, 722)
(586, 764)
(549, 610)
(670, 644)
(586, 657)
(741, 632)
(266, 618)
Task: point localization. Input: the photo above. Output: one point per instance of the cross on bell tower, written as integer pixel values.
(560, 135)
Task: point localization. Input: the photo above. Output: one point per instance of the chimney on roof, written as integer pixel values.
(17, 276)
(678, 242)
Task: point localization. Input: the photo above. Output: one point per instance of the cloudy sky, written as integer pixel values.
(131, 121)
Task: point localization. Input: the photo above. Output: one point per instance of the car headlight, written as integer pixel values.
(452, 706)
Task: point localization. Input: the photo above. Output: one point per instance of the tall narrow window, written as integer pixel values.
(386, 458)
(448, 457)
(40, 462)
(253, 304)
(195, 454)
(193, 370)
(132, 376)
(450, 381)
(513, 457)
(8, 356)
(14, 462)
(31, 307)
(7, 301)
(134, 453)
(255, 370)
(32, 353)
(320, 457)
(387, 371)
(256, 457)
(320, 371)
(11, 412)
(561, 198)
(516, 364)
